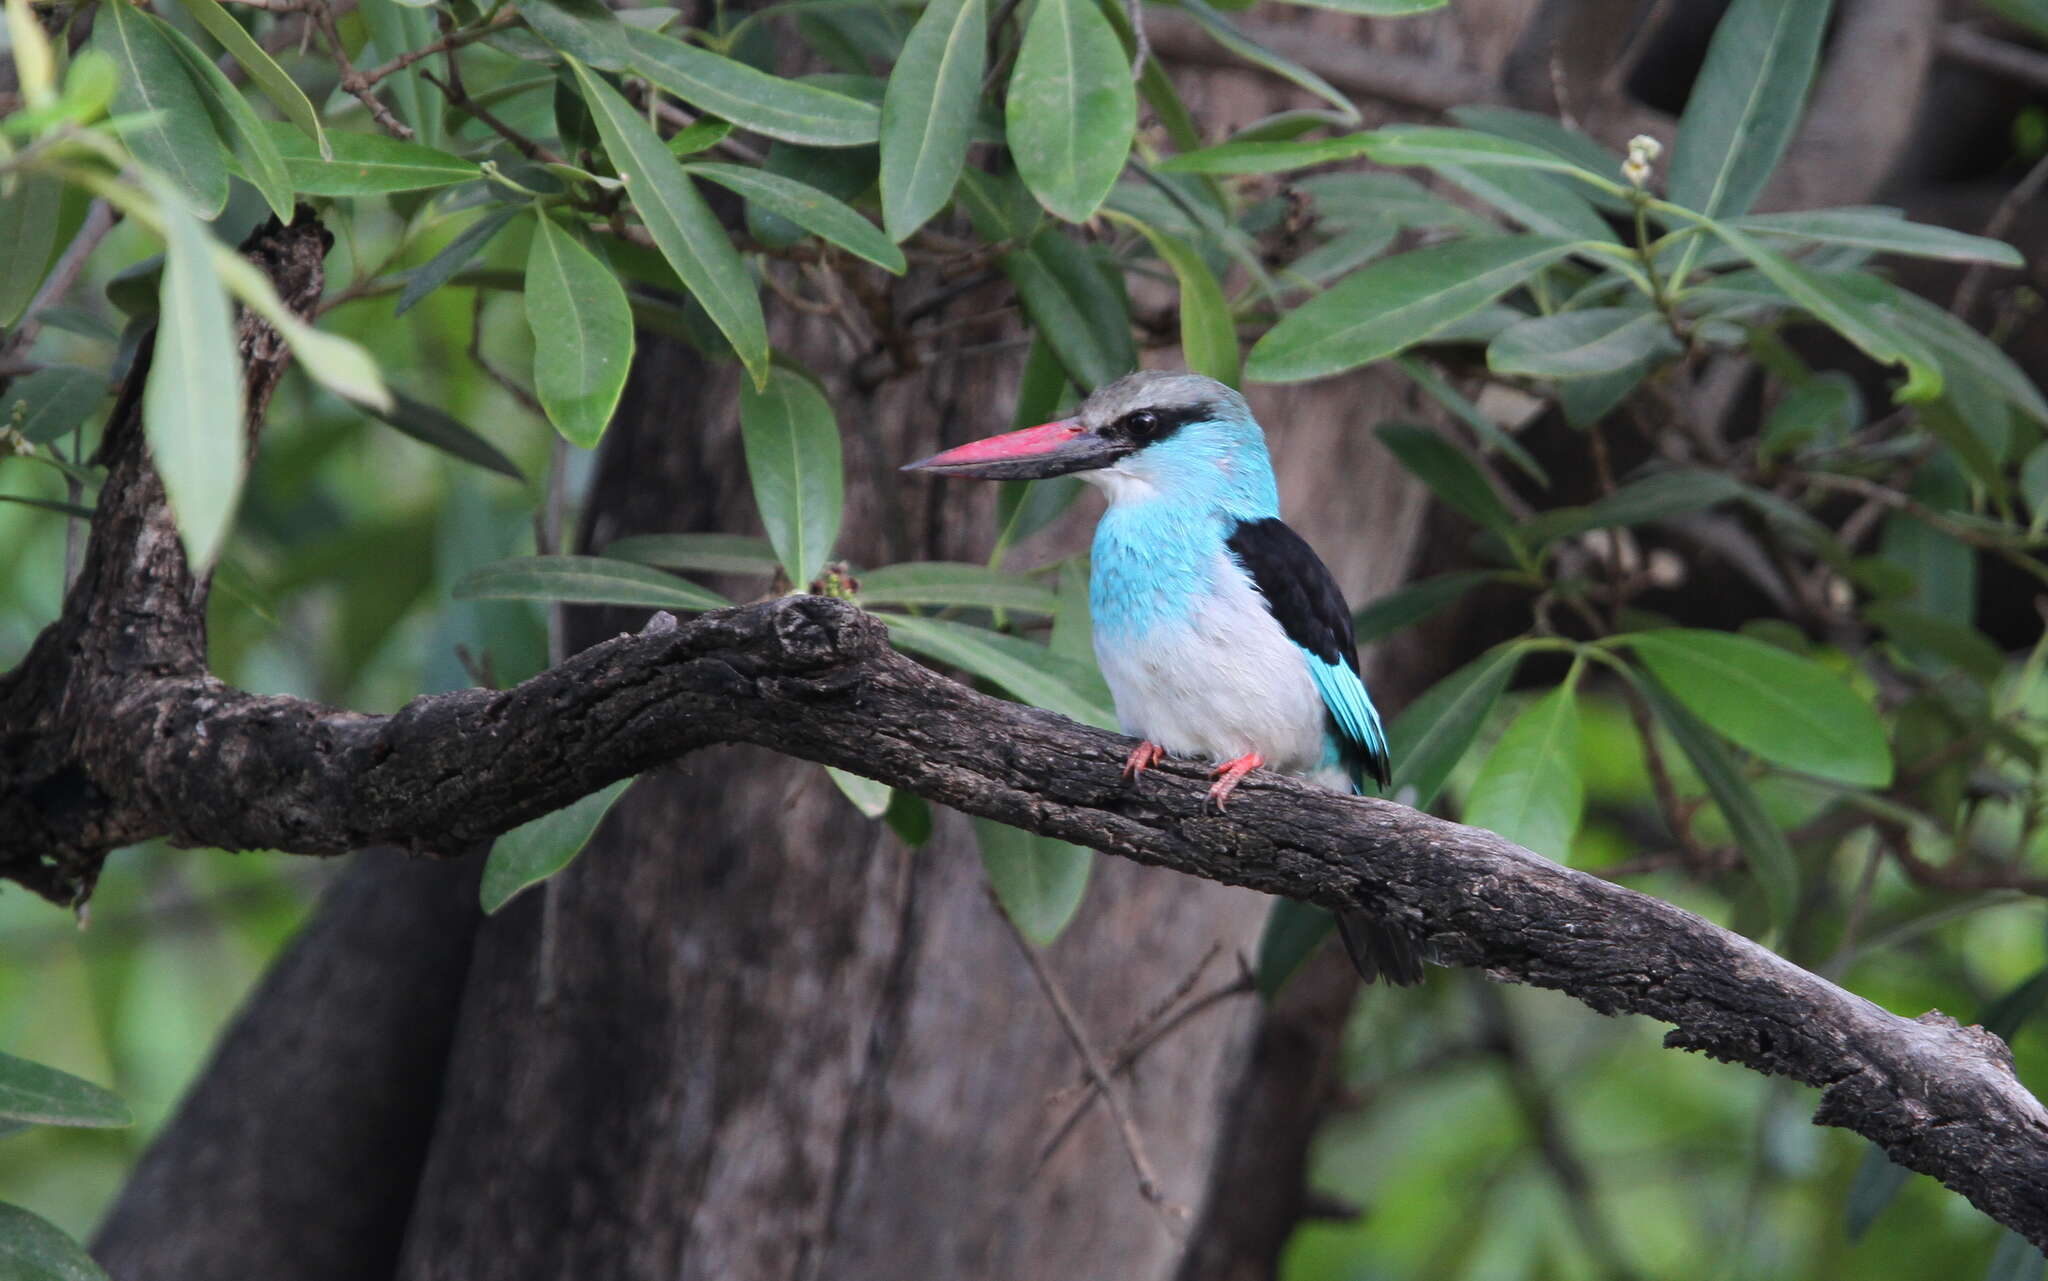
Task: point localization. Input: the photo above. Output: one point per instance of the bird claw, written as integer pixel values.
(1227, 776)
(1143, 757)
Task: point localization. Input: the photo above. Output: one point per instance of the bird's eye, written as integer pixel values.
(1143, 424)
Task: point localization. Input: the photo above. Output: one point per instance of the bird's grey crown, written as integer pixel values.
(1174, 394)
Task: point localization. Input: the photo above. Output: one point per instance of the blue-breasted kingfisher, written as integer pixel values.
(1220, 632)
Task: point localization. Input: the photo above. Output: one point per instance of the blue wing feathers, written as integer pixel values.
(1357, 721)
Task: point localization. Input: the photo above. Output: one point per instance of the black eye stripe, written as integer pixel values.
(1149, 425)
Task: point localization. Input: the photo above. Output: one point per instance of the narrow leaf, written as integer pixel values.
(1582, 344)
(1038, 880)
(1375, 8)
(192, 404)
(1407, 606)
(937, 582)
(1293, 932)
(454, 256)
(431, 426)
(1073, 305)
(1223, 32)
(1208, 333)
(1428, 739)
(1786, 709)
(263, 70)
(1878, 1180)
(869, 797)
(731, 90)
(173, 133)
(795, 465)
(237, 122)
(1530, 789)
(582, 332)
(1071, 111)
(1769, 854)
(397, 26)
(1449, 474)
(1395, 303)
(584, 580)
(32, 1249)
(688, 234)
(366, 164)
(534, 851)
(40, 1094)
(1267, 155)
(928, 112)
(710, 553)
(1031, 672)
(29, 214)
(588, 29)
(57, 397)
(809, 208)
(1882, 231)
(1746, 103)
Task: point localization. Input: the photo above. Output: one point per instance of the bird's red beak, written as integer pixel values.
(1049, 449)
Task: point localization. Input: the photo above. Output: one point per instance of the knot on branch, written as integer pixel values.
(806, 633)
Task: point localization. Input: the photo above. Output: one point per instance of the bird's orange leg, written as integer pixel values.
(1143, 757)
(1227, 775)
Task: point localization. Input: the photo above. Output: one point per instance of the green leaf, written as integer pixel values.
(584, 580)
(175, 135)
(237, 122)
(1267, 156)
(1071, 111)
(263, 70)
(1878, 1180)
(1293, 932)
(1208, 332)
(688, 234)
(397, 26)
(1428, 739)
(928, 112)
(872, 799)
(1489, 432)
(1031, 672)
(809, 208)
(582, 332)
(1924, 636)
(29, 224)
(192, 404)
(1375, 8)
(40, 1094)
(732, 90)
(795, 465)
(1074, 306)
(1449, 474)
(709, 553)
(534, 851)
(1530, 789)
(366, 164)
(2016, 1259)
(938, 582)
(1964, 353)
(431, 426)
(701, 136)
(910, 817)
(1223, 32)
(1770, 855)
(1537, 201)
(1823, 410)
(58, 399)
(1038, 880)
(1835, 301)
(49, 505)
(586, 28)
(1397, 302)
(1745, 103)
(1784, 708)
(32, 1249)
(1407, 606)
(1547, 133)
(454, 256)
(1882, 231)
(1439, 147)
(1346, 200)
(1658, 496)
(1582, 344)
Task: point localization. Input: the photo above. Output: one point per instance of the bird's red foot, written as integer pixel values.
(1143, 757)
(1227, 775)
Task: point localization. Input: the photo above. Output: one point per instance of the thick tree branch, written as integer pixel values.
(815, 678)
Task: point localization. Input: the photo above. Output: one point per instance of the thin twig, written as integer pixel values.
(446, 44)
(459, 98)
(1141, 48)
(2001, 220)
(1134, 1146)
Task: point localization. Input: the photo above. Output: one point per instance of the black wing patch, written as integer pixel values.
(1298, 588)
